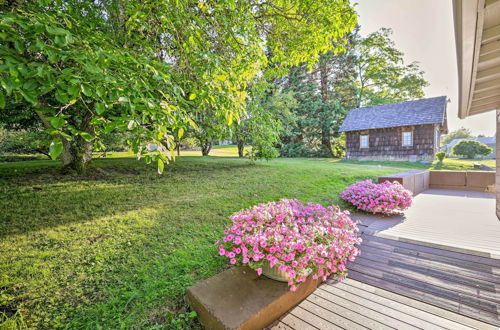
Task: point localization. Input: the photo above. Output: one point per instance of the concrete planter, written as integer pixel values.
(277, 275)
(239, 299)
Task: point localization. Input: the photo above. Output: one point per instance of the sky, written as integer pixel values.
(423, 31)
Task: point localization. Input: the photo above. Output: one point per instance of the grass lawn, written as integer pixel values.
(119, 249)
(448, 164)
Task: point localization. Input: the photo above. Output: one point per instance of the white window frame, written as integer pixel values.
(367, 145)
(404, 140)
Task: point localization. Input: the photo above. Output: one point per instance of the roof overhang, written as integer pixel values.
(477, 33)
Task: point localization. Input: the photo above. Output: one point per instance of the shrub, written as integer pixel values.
(299, 239)
(471, 149)
(440, 155)
(386, 198)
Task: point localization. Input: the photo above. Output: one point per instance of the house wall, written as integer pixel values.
(386, 144)
(498, 166)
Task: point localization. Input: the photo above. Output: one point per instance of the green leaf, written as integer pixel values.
(56, 31)
(101, 91)
(86, 136)
(2, 100)
(180, 133)
(100, 108)
(28, 97)
(192, 96)
(56, 122)
(74, 90)
(62, 97)
(19, 45)
(87, 90)
(56, 148)
(161, 166)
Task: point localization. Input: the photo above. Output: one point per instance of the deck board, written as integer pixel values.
(401, 285)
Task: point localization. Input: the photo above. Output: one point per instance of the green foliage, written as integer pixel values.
(382, 75)
(118, 250)
(370, 71)
(471, 149)
(24, 142)
(440, 156)
(461, 133)
(262, 123)
(150, 68)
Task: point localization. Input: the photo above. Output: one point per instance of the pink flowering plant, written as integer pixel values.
(385, 198)
(299, 239)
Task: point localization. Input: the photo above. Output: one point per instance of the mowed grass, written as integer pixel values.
(448, 164)
(119, 249)
(217, 151)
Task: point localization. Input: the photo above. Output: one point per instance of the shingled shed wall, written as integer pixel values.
(386, 143)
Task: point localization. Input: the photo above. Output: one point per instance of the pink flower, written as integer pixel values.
(286, 233)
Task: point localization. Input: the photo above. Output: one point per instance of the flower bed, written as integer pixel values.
(297, 239)
(385, 198)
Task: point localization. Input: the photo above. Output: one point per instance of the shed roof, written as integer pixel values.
(484, 140)
(418, 112)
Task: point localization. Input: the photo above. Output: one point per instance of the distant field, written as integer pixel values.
(217, 151)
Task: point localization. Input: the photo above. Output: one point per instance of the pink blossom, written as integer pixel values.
(386, 198)
(300, 239)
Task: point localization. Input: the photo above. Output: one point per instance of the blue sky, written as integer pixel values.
(423, 30)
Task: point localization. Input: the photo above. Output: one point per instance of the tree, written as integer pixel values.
(471, 149)
(88, 68)
(368, 71)
(209, 127)
(461, 133)
(261, 125)
(382, 75)
(24, 142)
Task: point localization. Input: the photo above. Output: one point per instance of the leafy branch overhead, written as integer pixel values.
(89, 68)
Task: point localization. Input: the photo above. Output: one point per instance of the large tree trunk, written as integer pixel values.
(77, 154)
(326, 144)
(241, 148)
(205, 148)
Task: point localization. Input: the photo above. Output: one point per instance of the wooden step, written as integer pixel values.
(373, 253)
(456, 277)
(440, 252)
(422, 291)
(439, 316)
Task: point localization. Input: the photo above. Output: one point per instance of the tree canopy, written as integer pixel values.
(460, 133)
(471, 149)
(88, 68)
(368, 71)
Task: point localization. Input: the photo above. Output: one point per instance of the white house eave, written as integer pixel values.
(477, 33)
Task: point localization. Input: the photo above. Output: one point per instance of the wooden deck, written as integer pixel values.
(397, 285)
(461, 221)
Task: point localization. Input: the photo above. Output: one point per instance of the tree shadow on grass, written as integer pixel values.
(33, 200)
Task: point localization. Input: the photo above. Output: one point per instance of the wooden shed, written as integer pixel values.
(406, 131)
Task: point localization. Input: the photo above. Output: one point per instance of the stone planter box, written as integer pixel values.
(418, 181)
(415, 181)
(463, 180)
(240, 299)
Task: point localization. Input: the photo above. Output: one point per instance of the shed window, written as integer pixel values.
(363, 141)
(407, 139)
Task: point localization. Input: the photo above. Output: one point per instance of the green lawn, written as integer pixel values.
(448, 164)
(119, 249)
